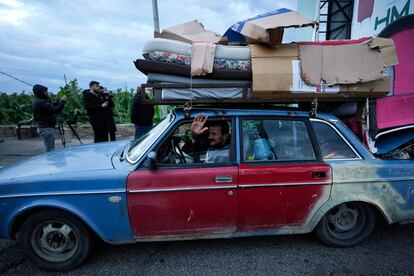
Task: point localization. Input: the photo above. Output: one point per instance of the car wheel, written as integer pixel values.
(55, 240)
(347, 224)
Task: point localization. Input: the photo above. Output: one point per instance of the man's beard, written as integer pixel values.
(215, 145)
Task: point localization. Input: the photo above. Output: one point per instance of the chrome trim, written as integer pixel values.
(393, 130)
(399, 179)
(183, 189)
(224, 179)
(339, 159)
(342, 137)
(65, 193)
(284, 184)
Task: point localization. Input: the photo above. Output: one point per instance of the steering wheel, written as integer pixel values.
(178, 153)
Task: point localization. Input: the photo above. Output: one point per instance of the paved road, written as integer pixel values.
(389, 251)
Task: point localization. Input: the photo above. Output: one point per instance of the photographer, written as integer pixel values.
(99, 106)
(44, 113)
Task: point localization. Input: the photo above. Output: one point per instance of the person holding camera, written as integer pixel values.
(99, 106)
(44, 113)
(109, 112)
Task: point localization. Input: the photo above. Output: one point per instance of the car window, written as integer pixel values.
(181, 147)
(332, 145)
(276, 139)
(140, 146)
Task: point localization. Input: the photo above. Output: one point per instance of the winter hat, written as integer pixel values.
(39, 90)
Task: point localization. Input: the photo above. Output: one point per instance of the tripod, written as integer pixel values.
(62, 133)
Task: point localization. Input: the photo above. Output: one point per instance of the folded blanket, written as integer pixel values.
(202, 58)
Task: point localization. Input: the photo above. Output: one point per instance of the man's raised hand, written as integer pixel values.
(197, 127)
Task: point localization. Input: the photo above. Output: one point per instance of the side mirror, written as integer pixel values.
(152, 160)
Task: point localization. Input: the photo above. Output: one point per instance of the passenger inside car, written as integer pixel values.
(281, 140)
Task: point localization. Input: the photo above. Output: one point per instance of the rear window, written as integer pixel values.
(332, 145)
(276, 139)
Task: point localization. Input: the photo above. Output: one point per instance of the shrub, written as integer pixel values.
(18, 107)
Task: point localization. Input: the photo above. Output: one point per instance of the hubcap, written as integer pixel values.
(344, 219)
(54, 241)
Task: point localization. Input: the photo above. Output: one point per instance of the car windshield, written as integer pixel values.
(140, 146)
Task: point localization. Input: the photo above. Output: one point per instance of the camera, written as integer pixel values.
(105, 93)
(108, 95)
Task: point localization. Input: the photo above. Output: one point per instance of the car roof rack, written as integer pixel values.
(230, 94)
(236, 95)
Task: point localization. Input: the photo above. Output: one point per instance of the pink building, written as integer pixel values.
(391, 118)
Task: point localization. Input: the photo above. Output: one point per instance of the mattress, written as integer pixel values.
(202, 93)
(164, 78)
(182, 48)
(153, 66)
(219, 63)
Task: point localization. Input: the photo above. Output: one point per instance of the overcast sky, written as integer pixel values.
(41, 41)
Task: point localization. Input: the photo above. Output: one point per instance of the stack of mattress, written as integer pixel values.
(167, 56)
(169, 61)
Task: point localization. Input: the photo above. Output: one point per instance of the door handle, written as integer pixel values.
(224, 179)
(318, 175)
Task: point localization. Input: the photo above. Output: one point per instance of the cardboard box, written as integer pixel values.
(265, 28)
(346, 61)
(277, 72)
(387, 49)
(272, 67)
(189, 32)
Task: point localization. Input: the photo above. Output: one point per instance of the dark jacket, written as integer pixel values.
(141, 114)
(45, 111)
(93, 104)
(98, 114)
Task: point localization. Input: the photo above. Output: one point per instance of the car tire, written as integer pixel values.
(347, 224)
(54, 240)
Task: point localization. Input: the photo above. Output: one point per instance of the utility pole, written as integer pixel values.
(315, 35)
(156, 20)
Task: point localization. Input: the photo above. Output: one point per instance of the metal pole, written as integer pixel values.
(155, 15)
(317, 19)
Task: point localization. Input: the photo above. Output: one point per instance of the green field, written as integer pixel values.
(16, 107)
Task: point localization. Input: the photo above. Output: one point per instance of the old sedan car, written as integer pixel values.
(286, 173)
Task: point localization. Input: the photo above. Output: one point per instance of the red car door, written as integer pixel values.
(281, 180)
(197, 201)
(272, 196)
(183, 199)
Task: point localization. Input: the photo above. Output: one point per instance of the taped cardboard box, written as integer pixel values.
(276, 71)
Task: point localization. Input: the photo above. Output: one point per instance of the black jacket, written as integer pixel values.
(98, 114)
(45, 111)
(141, 114)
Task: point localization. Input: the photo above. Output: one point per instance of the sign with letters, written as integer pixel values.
(372, 16)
